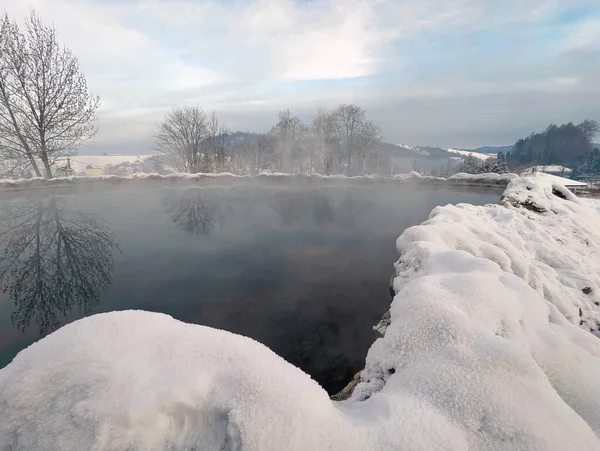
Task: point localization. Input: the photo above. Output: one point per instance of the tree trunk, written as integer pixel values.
(349, 162)
(46, 166)
(34, 165)
(17, 130)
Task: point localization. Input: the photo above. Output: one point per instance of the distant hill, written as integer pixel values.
(422, 158)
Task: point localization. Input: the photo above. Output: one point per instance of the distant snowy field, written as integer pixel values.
(79, 163)
(493, 345)
(481, 156)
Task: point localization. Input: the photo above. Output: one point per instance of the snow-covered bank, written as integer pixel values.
(228, 178)
(486, 350)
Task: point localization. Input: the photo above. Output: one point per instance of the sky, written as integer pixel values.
(449, 73)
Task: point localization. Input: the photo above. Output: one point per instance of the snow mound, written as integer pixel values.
(487, 347)
(491, 178)
(491, 321)
(140, 380)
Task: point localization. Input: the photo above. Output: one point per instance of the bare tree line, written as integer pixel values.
(341, 141)
(46, 109)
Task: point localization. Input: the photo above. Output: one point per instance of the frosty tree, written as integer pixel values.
(358, 138)
(288, 134)
(188, 140)
(46, 109)
(180, 139)
(473, 165)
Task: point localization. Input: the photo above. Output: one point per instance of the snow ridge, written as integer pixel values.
(494, 319)
(226, 177)
(491, 346)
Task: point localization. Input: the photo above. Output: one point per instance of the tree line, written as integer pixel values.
(340, 141)
(566, 145)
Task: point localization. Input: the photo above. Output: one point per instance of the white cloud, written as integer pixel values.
(241, 57)
(586, 36)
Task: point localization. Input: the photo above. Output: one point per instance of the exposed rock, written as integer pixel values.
(587, 290)
(381, 327)
(348, 389)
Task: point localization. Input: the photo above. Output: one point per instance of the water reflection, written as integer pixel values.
(52, 259)
(193, 211)
(322, 209)
(302, 269)
(324, 206)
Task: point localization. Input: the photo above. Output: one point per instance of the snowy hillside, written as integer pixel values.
(492, 343)
(466, 153)
(419, 150)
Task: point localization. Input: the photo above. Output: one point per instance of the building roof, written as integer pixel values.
(556, 179)
(548, 168)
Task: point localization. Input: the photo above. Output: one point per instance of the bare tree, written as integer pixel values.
(180, 139)
(325, 139)
(367, 147)
(350, 118)
(216, 141)
(15, 149)
(259, 153)
(48, 110)
(287, 134)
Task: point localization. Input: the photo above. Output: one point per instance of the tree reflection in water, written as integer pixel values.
(325, 207)
(52, 259)
(194, 211)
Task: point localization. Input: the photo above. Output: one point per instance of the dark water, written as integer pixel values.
(304, 270)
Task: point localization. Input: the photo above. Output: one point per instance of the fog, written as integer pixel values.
(303, 269)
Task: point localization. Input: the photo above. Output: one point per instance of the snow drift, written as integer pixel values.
(490, 345)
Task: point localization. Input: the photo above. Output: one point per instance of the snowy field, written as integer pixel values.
(493, 344)
(80, 163)
(466, 153)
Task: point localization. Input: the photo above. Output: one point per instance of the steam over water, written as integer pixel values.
(304, 270)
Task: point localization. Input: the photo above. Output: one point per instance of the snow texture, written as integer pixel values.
(492, 178)
(548, 168)
(491, 346)
(557, 180)
(494, 318)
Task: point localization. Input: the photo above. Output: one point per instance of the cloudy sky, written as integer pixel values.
(453, 73)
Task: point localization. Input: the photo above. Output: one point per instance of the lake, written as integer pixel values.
(303, 269)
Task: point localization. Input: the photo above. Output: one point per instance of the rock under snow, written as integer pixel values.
(490, 345)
